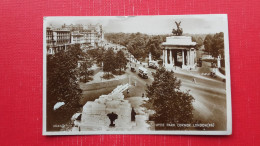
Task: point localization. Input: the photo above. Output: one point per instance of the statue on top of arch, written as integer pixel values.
(179, 30)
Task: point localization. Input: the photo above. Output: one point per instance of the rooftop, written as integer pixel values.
(61, 29)
(178, 41)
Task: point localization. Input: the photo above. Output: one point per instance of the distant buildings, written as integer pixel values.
(77, 38)
(49, 40)
(93, 35)
(57, 39)
(71, 27)
(88, 36)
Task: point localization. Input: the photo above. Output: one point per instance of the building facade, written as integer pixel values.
(93, 35)
(57, 39)
(77, 38)
(75, 27)
(89, 36)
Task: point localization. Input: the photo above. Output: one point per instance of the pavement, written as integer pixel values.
(142, 114)
(98, 77)
(209, 93)
(219, 74)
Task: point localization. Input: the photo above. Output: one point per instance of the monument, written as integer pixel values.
(179, 50)
(218, 61)
(150, 56)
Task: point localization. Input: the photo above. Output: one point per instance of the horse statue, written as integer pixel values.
(179, 30)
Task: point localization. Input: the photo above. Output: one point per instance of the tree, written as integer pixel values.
(153, 46)
(214, 45)
(97, 54)
(84, 69)
(198, 40)
(218, 45)
(109, 61)
(208, 43)
(85, 62)
(121, 60)
(62, 86)
(75, 53)
(170, 104)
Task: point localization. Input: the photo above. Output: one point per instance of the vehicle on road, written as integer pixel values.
(133, 69)
(212, 74)
(153, 64)
(142, 72)
(200, 62)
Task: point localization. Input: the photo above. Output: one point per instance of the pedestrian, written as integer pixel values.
(194, 80)
(133, 113)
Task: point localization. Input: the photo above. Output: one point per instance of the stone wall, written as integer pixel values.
(94, 114)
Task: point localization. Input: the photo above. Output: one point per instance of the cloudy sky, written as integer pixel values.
(193, 24)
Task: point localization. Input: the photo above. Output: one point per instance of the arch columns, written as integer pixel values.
(171, 57)
(166, 59)
(183, 58)
(163, 57)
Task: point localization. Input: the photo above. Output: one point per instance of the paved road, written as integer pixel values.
(209, 93)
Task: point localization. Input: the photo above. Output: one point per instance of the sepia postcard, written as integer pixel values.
(167, 74)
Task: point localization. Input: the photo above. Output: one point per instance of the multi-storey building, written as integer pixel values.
(93, 35)
(77, 38)
(57, 39)
(75, 27)
(49, 37)
(60, 38)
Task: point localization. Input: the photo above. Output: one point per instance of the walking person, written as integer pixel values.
(194, 81)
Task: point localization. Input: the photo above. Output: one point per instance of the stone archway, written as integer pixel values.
(179, 51)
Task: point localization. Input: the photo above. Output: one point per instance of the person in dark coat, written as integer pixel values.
(133, 113)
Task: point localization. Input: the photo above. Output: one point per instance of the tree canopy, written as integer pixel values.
(214, 44)
(138, 44)
(120, 60)
(170, 104)
(97, 54)
(62, 85)
(199, 41)
(109, 61)
(84, 69)
(153, 46)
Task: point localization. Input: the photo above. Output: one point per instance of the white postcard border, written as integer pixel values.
(175, 132)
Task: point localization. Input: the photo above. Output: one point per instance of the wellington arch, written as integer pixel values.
(176, 47)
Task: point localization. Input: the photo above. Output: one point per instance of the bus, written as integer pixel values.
(142, 72)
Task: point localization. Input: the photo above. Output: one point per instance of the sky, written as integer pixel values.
(163, 24)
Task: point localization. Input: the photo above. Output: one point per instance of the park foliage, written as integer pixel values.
(111, 60)
(140, 45)
(214, 44)
(171, 105)
(62, 85)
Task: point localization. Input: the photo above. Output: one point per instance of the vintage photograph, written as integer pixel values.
(167, 74)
